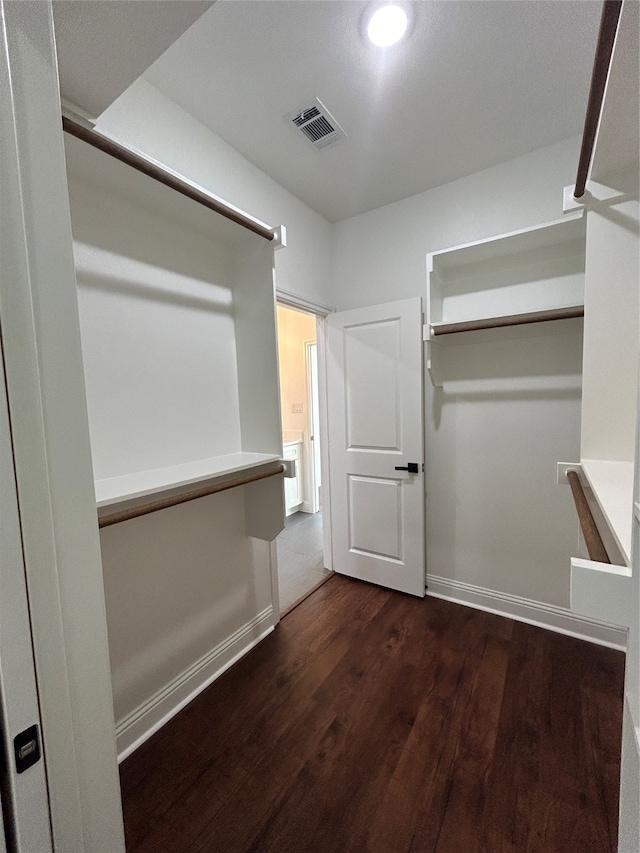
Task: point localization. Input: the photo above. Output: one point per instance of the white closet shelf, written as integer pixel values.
(557, 232)
(495, 322)
(601, 591)
(612, 486)
(114, 491)
(533, 275)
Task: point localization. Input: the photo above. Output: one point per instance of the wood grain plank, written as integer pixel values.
(372, 721)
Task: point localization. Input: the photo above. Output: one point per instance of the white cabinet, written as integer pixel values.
(293, 492)
(525, 276)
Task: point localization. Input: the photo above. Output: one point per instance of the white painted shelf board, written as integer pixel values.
(612, 486)
(601, 568)
(570, 228)
(538, 314)
(601, 591)
(509, 277)
(128, 487)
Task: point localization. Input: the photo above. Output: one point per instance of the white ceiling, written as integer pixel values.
(475, 84)
(103, 45)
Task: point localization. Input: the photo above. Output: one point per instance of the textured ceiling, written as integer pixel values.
(475, 84)
(104, 45)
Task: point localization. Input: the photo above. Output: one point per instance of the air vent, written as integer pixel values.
(317, 125)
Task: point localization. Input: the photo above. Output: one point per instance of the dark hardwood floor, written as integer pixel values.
(371, 721)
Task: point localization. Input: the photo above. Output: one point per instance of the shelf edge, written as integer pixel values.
(549, 314)
(229, 464)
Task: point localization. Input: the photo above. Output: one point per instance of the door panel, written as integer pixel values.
(375, 517)
(371, 358)
(374, 377)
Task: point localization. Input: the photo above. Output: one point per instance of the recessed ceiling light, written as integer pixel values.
(387, 25)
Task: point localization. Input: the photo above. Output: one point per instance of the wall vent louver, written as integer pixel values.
(317, 125)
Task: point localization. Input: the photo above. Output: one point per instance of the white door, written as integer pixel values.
(25, 801)
(375, 412)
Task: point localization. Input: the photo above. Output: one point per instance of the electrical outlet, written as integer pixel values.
(296, 408)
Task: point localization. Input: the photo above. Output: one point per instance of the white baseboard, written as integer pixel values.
(147, 718)
(548, 616)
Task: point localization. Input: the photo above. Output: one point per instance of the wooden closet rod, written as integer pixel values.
(604, 49)
(595, 545)
(510, 320)
(164, 176)
(165, 503)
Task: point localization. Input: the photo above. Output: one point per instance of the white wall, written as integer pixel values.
(508, 411)
(178, 585)
(510, 405)
(168, 364)
(380, 256)
(155, 315)
(146, 119)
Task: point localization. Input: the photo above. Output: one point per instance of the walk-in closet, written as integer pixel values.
(265, 277)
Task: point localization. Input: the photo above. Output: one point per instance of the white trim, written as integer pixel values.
(27, 797)
(275, 584)
(323, 417)
(52, 453)
(146, 719)
(321, 312)
(310, 491)
(292, 300)
(548, 616)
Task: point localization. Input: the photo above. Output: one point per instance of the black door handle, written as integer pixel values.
(411, 467)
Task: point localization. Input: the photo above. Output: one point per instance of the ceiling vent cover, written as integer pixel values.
(317, 125)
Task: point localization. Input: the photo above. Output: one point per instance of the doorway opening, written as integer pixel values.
(300, 551)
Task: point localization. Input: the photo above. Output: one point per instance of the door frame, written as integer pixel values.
(321, 312)
(51, 450)
(312, 401)
(24, 795)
